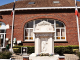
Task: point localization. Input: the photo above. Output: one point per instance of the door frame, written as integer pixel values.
(3, 38)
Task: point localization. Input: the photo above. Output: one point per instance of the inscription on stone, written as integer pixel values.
(44, 34)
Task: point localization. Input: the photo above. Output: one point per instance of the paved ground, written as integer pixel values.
(16, 57)
(67, 57)
(71, 57)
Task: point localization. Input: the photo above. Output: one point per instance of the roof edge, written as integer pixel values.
(39, 8)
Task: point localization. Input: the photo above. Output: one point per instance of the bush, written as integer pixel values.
(57, 49)
(75, 51)
(5, 55)
(78, 54)
(65, 49)
(18, 49)
(30, 49)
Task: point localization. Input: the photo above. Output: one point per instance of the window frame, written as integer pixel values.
(3, 27)
(54, 30)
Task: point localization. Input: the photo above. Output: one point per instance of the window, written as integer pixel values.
(31, 3)
(60, 31)
(56, 2)
(2, 34)
(29, 31)
(58, 28)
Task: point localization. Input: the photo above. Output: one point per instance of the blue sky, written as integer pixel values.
(3, 2)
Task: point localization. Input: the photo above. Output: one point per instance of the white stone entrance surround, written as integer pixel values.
(44, 43)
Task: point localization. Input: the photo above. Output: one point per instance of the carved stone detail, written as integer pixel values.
(44, 34)
(44, 26)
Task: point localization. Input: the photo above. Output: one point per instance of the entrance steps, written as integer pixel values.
(54, 57)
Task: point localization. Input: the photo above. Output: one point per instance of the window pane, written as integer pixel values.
(31, 38)
(57, 37)
(2, 31)
(62, 37)
(31, 32)
(1, 40)
(29, 25)
(26, 32)
(51, 21)
(44, 19)
(57, 32)
(26, 38)
(62, 32)
(37, 21)
(59, 24)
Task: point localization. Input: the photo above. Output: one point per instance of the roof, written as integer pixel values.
(40, 3)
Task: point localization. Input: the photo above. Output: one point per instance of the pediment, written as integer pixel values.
(44, 26)
(43, 23)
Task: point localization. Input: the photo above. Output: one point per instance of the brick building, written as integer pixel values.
(28, 13)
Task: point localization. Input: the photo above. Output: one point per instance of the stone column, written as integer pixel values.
(50, 45)
(37, 45)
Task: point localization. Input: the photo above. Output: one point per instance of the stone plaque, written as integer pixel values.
(37, 35)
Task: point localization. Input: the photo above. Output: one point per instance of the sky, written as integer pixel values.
(3, 2)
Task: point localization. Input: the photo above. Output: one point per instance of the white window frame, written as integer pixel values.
(3, 27)
(3, 38)
(60, 32)
(29, 34)
(54, 30)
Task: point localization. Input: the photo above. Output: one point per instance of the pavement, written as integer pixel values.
(67, 57)
(71, 57)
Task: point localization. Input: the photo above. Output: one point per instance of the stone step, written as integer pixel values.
(44, 58)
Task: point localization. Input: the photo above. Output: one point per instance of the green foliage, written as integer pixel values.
(5, 55)
(17, 49)
(78, 54)
(75, 51)
(65, 49)
(30, 49)
(57, 49)
(44, 54)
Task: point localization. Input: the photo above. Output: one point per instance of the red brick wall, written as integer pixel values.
(61, 59)
(21, 18)
(25, 58)
(28, 44)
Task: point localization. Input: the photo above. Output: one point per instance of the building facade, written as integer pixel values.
(61, 15)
